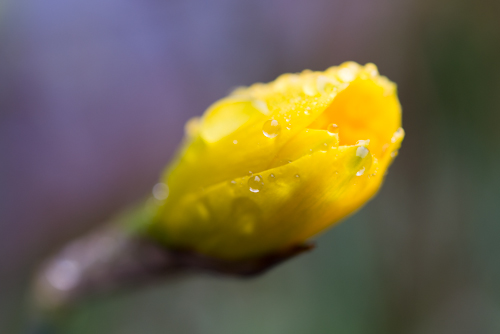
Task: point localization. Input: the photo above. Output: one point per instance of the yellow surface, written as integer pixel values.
(259, 171)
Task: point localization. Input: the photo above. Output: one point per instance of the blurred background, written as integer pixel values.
(93, 98)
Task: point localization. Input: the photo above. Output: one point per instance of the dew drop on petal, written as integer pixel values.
(394, 154)
(361, 171)
(271, 128)
(271, 177)
(332, 129)
(160, 191)
(397, 134)
(325, 84)
(261, 106)
(235, 142)
(363, 142)
(346, 74)
(255, 183)
(371, 69)
(309, 89)
(362, 152)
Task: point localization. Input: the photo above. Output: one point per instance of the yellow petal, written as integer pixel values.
(292, 202)
(263, 169)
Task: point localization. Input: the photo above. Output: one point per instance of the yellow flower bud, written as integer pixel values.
(274, 164)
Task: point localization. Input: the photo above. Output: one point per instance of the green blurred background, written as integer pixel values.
(93, 97)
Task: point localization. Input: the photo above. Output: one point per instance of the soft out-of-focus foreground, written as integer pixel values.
(93, 98)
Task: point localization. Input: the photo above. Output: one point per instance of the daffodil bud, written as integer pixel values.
(272, 165)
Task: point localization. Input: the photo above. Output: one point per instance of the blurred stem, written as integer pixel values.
(113, 260)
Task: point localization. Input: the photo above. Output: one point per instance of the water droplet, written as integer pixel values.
(160, 191)
(332, 129)
(363, 142)
(394, 154)
(346, 74)
(324, 147)
(361, 171)
(362, 152)
(288, 119)
(297, 176)
(399, 132)
(288, 128)
(255, 183)
(271, 177)
(325, 84)
(235, 142)
(250, 172)
(371, 69)
(233, 182)
(309, 89)
(306, 112)
(271, 128)
(261, 106)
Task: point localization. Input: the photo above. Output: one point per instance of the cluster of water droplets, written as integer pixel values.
(397, 135)
(361, 152)
(333, 130)
(256, 182)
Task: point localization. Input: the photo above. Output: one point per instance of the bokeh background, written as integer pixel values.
(93, 98)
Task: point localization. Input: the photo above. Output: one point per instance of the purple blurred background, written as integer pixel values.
(94, 96)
